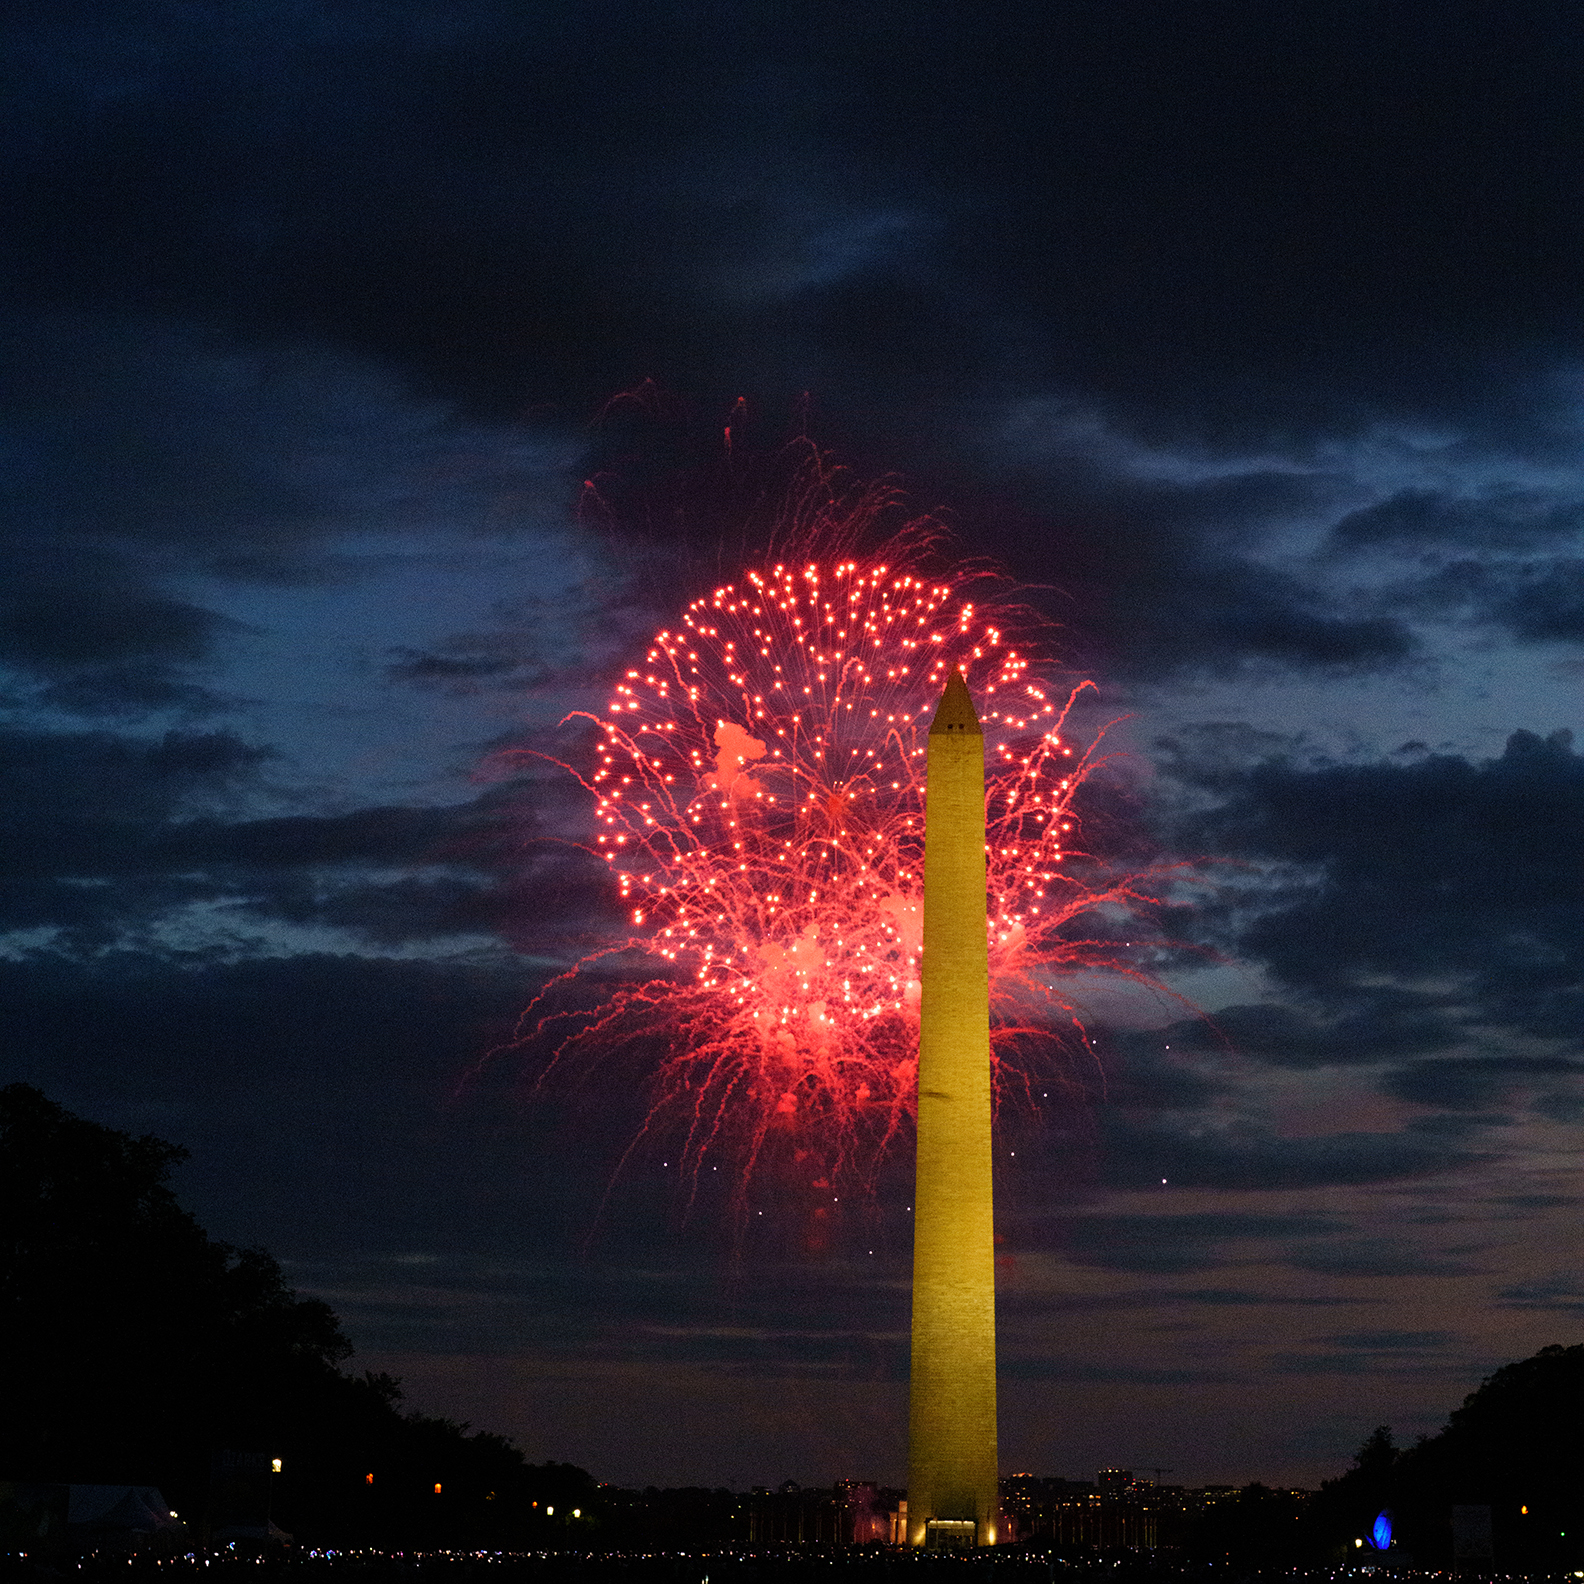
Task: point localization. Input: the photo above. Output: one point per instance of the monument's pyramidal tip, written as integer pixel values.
(956, 713)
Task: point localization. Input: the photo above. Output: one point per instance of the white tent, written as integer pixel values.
(120, 1509)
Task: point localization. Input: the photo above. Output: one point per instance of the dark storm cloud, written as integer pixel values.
(1152, 566)
(331, 169)
(92, 635)
(1438, 867)
(1014, 1303)
(789, 1322)
(1235, 1297)
(544, 900)
(537, 641)
(1379, 1256)
(1560, 1294)
(1402, 1354)
(1377, 1023)
(1389, 1341)
(1176, 589)
(1393, 1363)
(1418, 915)
(1464, 1126)
(113, 441)
(465, 664)
(145, 431)
(107, 779)
(1077, 1371)
(1546, 608)
(1141, 1074)
(388, 913)
(786, 1354)
(1248, 269)
(1534, 601)
(1222, 617)
(1474, 1083)
(1225, 616)
(105, 834)
(367, 835)
(142, 453)
(55, 622)
(1505, 558)
(1173, 1243)
(1419, 520)
(1540, 1201)
(1192, 1156)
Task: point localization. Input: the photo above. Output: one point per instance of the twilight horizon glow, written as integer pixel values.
(758, 788)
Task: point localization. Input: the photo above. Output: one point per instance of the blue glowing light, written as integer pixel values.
(1381, 1534)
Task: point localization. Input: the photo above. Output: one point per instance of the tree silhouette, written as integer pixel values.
(138, 1348)
(1514, 1446)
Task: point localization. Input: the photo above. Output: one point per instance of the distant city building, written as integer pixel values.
(1115, 1511)
(850, 1513)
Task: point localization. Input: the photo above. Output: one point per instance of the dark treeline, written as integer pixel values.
(138, 1348)
(1516, 1446)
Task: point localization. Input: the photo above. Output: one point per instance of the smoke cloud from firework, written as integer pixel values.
(758, 787)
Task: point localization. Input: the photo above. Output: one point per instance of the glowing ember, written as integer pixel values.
(759, 796)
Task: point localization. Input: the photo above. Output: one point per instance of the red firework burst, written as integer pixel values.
(758, 788)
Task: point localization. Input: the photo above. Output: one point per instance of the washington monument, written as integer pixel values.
(952, 1477)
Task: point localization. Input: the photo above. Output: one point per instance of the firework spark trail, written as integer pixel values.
(759, 795)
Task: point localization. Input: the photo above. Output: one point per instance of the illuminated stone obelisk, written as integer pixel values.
(952, 1410)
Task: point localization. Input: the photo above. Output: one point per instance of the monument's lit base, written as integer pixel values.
(951, 1534)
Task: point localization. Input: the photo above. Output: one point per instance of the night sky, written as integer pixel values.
(1247, 335)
